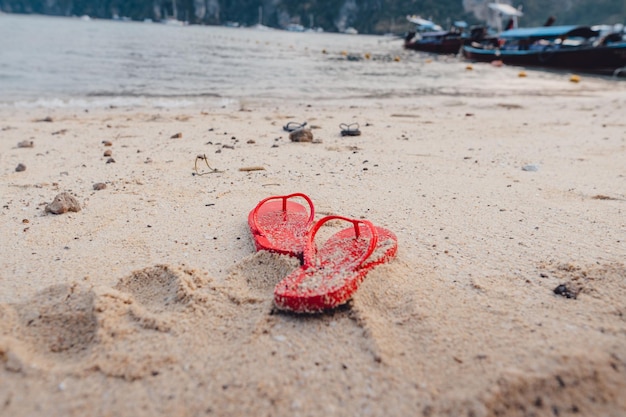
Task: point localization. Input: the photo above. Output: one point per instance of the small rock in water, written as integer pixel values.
(63, 203)
(530, 167)
(26, 144)
(20, 167)
(301, 135)
(99, 186)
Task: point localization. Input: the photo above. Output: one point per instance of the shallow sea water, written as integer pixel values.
(58, 62)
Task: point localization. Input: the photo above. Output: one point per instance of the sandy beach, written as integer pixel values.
(152, 301)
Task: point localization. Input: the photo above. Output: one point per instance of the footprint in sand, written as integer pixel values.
(385, 309)
(601, 282)
(73, 329)
(253, 279)
(60, 320)
(164, 289)
(584, 385)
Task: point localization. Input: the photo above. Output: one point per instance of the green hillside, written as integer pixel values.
(367, 16)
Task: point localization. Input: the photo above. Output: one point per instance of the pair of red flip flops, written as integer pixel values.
(330, 274)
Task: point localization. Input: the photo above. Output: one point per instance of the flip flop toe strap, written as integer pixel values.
(311, 258)
(255, 215)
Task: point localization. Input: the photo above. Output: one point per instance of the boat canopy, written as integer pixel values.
(423, 23)
(434, 34)
(549, 32)
(506, 9)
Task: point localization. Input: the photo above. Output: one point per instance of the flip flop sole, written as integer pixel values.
(279, 226)
(326, 286)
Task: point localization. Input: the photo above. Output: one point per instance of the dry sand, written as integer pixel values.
(151, 299)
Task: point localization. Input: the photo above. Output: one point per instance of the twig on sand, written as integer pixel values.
(254, 168)
(206, 161)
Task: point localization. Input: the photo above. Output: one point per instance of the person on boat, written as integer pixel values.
(550, 21)
(409, 36)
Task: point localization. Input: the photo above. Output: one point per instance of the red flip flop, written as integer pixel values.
(330, 276)
(280, 225)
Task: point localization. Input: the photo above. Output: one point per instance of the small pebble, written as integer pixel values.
(566, 292)
(108, 152)
(177, 135)
(530, 168)
(63, 203)
(26, 144)
(99, 186)
(107, 143)
(301, 135)
(110, 161)
(20, 167)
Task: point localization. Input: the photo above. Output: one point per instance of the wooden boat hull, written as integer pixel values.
(447, 47)
(588, 58)
(435, 42)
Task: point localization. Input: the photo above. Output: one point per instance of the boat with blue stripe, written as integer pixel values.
(570, 47)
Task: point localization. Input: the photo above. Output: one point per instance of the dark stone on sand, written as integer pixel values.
(63, 203)
(564, 291)
(26, 144)
(177, 135)
(108, 152)
(301, 135)
(20, 167)
(110, 161)
(107, 143)
(99, 186)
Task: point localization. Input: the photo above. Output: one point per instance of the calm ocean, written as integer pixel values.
(58, 62)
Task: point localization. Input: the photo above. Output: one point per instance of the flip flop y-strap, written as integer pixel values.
(343, 241)
(291, 126)
(350, 129)
(280, 225)
(330, 275)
